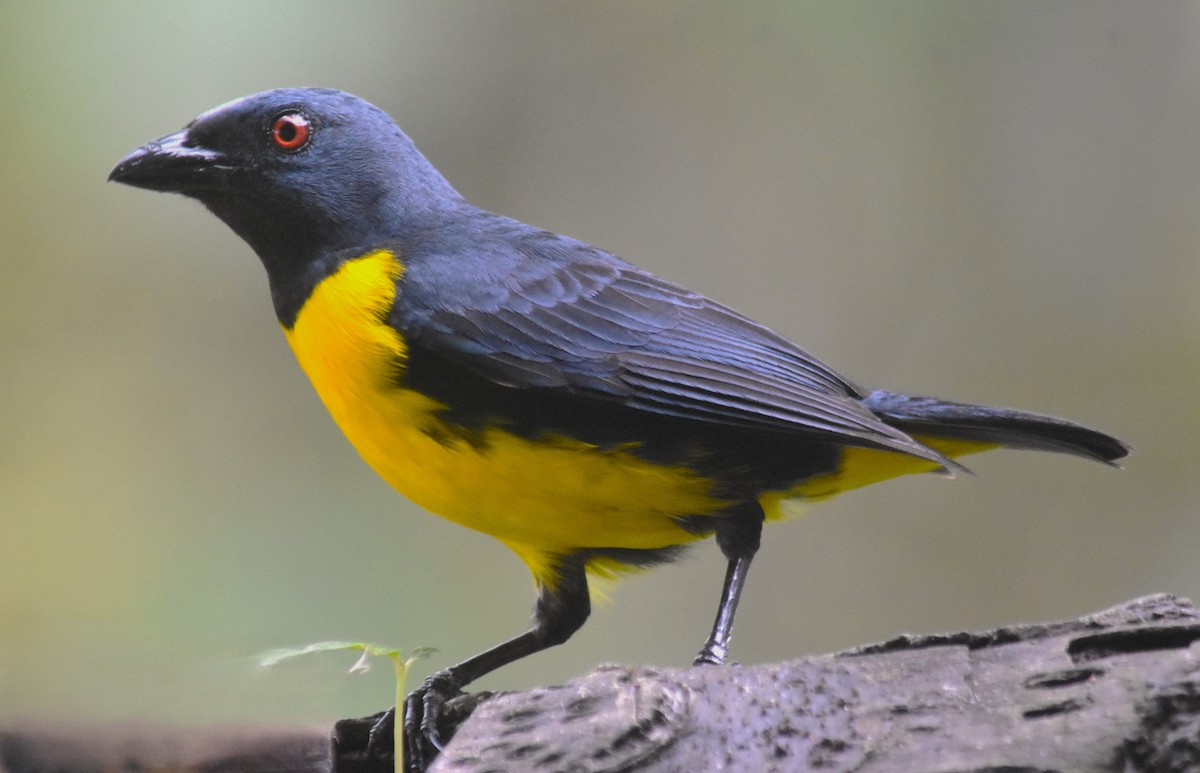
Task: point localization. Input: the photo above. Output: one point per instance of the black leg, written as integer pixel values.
(558, 613)
(738, 534)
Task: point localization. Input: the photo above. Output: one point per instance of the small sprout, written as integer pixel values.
(399, 662)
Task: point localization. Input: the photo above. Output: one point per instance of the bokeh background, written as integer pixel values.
(993, 202)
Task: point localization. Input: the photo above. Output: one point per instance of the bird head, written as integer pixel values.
(298, 174)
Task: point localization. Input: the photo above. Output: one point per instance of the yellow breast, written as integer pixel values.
(542, 497)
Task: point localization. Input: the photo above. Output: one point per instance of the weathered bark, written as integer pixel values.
(1115, 691)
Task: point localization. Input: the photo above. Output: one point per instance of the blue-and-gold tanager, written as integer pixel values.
(590, 416)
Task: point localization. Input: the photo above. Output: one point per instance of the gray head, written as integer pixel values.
(299, 173)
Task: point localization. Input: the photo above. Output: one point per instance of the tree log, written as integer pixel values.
(1114, 691)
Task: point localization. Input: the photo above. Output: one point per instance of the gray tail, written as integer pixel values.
(1013, 429)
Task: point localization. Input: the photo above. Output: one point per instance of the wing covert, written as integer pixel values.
(555, 313)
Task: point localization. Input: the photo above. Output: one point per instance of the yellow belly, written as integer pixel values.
(542, 497)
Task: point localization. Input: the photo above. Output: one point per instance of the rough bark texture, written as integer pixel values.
(1115, 691)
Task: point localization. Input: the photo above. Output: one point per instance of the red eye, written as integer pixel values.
(291, 131)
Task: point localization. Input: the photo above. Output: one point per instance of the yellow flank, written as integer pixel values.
(542, 498)
(864, 466)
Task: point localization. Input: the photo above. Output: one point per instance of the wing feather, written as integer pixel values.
(568, 317)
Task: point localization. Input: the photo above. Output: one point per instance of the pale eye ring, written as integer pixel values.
(291, 132)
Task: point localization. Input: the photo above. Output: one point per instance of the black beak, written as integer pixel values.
(174, 164)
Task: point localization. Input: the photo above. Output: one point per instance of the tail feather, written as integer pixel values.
(1003, 426)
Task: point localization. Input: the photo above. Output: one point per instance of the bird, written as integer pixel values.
(592, 417)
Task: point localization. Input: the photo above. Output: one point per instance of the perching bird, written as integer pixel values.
(592, 417)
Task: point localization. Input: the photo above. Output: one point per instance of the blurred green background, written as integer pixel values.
(993, 202)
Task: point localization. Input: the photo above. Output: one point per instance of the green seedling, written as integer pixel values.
(399, 662)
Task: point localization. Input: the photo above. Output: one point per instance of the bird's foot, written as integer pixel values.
(711, 654)
(422, 713)
(379, 739)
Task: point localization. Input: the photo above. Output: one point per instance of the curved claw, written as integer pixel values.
(422, 712)
(379, 739)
